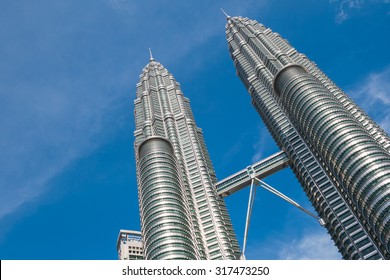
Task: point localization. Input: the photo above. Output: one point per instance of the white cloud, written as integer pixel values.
(261, 144)
(346, 7)
(44, 130)
(311, 246)
(373, 93)
(180, 28)
(375, 88)
(60, 75)
(126, 6)
(57, 105)
(385, 123)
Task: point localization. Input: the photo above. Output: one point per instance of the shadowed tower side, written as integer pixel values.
(182, 217)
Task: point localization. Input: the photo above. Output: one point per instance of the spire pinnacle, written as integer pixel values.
(227, 16)
(151, 56)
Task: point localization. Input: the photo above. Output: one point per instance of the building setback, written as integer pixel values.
(339, 155)
(182, 217)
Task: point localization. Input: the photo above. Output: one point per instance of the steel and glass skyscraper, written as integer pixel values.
(182, 217)
(339, 155)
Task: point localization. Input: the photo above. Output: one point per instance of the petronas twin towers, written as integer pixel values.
(339, 155)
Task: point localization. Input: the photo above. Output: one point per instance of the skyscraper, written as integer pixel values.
(182, 217)
(339, 155)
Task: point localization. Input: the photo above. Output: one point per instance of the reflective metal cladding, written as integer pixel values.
(182, 217)
(165, 217)
(339, 155)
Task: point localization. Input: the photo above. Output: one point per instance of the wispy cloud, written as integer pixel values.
(373, 93)
(123, 5)
(344, 8)
(191, 27)
(313, 245)
(385, 123)
(66, 76)
(58, 97)
(44, 130)
(375, 88)
(261, 144)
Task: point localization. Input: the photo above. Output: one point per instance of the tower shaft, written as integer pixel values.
(177, 197)
(339, 155)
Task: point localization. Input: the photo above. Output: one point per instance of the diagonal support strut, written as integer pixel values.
(267, 187)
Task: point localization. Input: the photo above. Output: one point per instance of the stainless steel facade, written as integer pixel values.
(168, 234)
(182, 217)
(339, 155)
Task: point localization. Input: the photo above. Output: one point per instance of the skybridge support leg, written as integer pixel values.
(289, 200)
(251, 200)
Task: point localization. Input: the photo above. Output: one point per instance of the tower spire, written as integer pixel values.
(151, 55)
(227, 16)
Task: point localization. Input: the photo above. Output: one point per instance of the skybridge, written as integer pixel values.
(251, 176)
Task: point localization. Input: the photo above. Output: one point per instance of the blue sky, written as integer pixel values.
(67, 83)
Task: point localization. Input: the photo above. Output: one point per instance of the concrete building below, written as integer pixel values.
(129, 245)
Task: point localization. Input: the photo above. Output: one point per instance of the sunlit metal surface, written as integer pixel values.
(182, 217)
(261, 169)
(311, 119)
